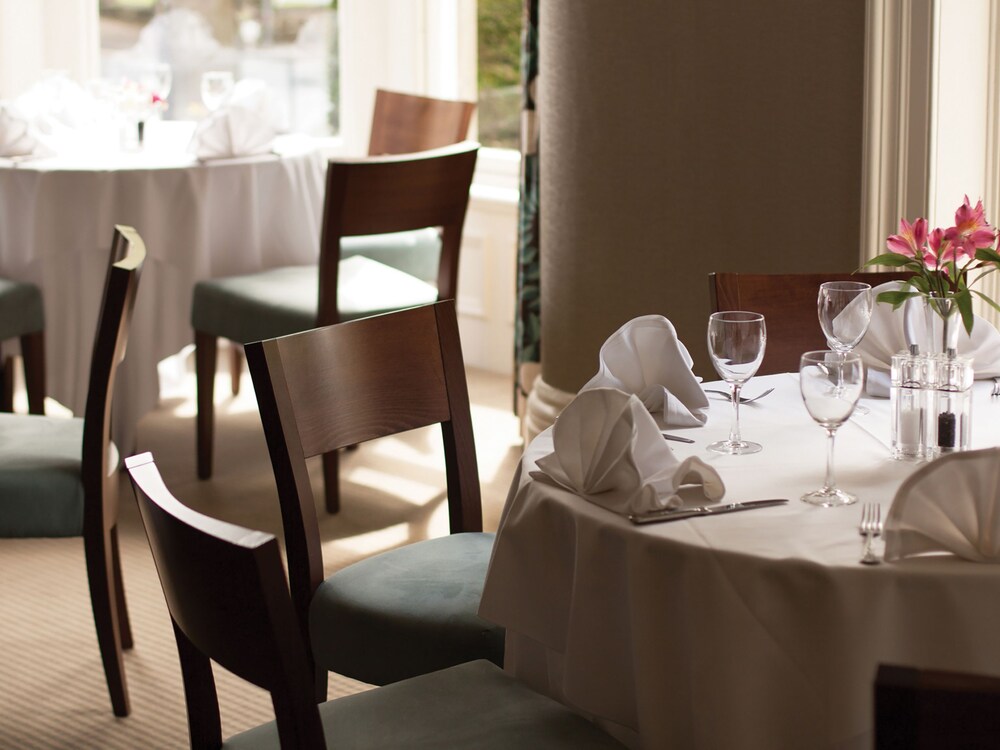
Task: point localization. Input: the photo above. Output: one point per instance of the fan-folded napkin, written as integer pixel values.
(646, 358)
(886, 337)
(243, 126)
(950, 505)
(608, 449)
(15, 135)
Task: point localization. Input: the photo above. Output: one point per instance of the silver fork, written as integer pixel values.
(743, 399)
(870, 527)
(996, 387)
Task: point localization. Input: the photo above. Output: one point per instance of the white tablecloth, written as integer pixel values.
(749, 630)
(198, 220)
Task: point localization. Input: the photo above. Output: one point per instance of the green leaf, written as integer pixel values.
(889, 259)
(964, 302)
(987, 300)
(895, 298)
(987, 254)
(919, 283)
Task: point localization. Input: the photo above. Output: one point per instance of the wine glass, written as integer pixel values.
(736, 344)
(159, 79)
(845, 311)
(831, 384)
(215, 87)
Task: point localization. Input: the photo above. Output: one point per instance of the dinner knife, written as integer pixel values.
(679, 514)
(678, 438)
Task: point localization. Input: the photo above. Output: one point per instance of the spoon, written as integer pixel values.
(743, 399)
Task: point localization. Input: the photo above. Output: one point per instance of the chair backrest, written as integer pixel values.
(395, 194)
(128, 253)
(336, 386)
(923, 708)
(405, 123)
(788, 303)
(226, 592)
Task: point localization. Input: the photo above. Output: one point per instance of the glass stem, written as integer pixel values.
(830, 483)
(734, 431)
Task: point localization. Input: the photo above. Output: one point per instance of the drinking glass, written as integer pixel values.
(736, 345)
(830, 383)
(158, 78)
(845, 310)
(215, 87)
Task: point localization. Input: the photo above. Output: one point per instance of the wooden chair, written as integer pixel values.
(22, 317)
(930, 709)
(414, 609)
(58, 477)
(228, 601)
(371, 196)
(788, 303)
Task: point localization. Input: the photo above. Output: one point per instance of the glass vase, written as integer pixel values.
(943, 323)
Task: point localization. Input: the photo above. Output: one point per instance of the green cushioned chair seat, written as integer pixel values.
(20, 309)
(406, 612)
(281, 301)
(40, 488)
(474, 705)
(416, 253)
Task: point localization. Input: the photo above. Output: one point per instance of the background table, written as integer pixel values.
(198, 220)
(748, 630)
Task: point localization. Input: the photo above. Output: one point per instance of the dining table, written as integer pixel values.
(756, 629)
(199, 219)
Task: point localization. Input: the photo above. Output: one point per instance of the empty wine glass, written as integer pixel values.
(830, 383)
(736, 343)
(845, 311)
(215, 87)
(159, 79)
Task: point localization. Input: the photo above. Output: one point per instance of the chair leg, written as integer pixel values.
(206, 347)
(124, 626)
(235, 366)
(33, 353)
(101, 575)
(6, 384)
(331, 481)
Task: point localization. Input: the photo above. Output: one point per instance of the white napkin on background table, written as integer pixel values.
(646, 358)
(243, 126)
(949, 505)
(609, 450)
(15, 132)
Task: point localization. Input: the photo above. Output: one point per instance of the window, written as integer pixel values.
(499, 43)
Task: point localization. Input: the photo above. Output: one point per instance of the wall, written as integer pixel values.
(680, 137)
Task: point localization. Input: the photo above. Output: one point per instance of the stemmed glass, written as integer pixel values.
(736, 343)
(831, 384)
(215, 87)
(845, 312)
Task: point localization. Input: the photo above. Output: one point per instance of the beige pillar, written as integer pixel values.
(681, 137)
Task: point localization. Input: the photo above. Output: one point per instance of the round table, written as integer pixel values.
(198, 219)
(748, 630)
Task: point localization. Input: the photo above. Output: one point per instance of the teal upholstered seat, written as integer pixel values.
(416, 253)
(20, 309)
(406, 612)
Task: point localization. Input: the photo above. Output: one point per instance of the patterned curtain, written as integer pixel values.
(528, 325)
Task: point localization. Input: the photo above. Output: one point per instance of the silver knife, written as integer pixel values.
(679, 514)
(678, 438)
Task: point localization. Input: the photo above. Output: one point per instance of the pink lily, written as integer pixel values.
(971, 230)
(910, 240)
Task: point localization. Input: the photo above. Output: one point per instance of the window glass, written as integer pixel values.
(499, 27)
(289, 44)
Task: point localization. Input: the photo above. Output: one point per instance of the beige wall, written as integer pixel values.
(685, 136)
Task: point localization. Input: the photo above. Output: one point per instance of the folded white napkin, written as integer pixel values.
(609, 450)
(15, 132)
(243, 126)
(646, 358)
(885, 338)
(949, 505)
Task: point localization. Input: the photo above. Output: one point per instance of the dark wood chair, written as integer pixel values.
(228, 601)
(58, 477)
(928, 709)
(788, 303)
(413, 609)
(22, 317)
(370, 196)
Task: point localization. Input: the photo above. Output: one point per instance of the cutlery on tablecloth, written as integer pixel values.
(679, 514)
(870, 527)
(676, 438)
(743, 399)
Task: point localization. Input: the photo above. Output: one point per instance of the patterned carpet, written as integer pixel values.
(52, 690)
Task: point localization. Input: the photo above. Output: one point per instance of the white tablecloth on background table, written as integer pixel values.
(198, 220)
(749, 630)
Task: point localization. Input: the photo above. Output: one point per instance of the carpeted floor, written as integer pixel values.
(52, 690)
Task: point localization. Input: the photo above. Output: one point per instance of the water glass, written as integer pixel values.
(736, 342)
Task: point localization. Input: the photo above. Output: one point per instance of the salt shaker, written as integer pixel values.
(907, 402)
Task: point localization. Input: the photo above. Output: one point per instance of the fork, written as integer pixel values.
(996, 387)
(743, 399)
(870, 527)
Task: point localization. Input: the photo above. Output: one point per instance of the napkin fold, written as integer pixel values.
(608, 449)
(15, 132)
(646, 358)
(243, 126)
(949, 505)
(886, 337)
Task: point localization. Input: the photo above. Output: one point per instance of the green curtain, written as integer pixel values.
(528, 325)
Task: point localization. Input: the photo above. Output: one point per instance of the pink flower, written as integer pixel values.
(910, 240)
(971, 231)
